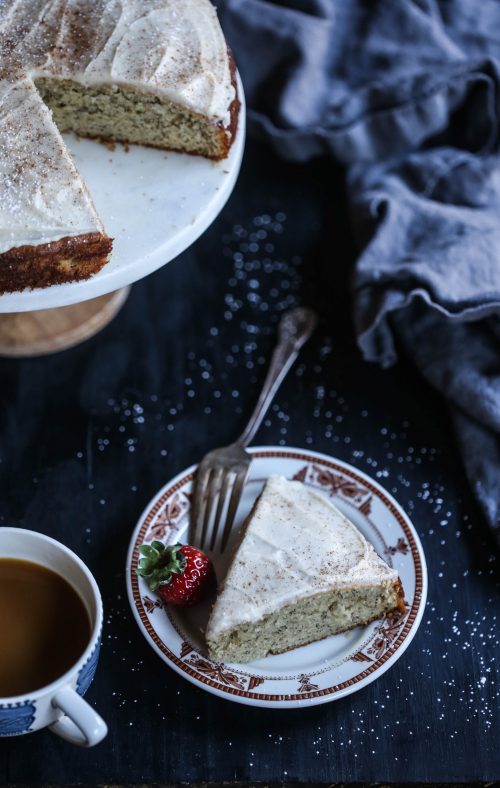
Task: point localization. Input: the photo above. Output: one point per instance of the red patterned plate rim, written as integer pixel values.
(225, 680)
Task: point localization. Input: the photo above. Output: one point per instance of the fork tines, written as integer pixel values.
(218, 488)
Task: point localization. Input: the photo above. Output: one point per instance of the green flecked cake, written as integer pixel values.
(302, 572)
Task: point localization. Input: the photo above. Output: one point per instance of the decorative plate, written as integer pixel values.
(319, 672)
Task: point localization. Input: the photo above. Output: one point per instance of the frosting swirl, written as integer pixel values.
(174, 49)
(297, 544)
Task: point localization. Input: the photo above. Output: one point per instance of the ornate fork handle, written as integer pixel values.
(294, 330)
(222, 473)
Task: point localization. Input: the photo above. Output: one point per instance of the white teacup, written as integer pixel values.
(59, 705)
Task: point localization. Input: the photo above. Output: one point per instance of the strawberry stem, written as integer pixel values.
(158, 563)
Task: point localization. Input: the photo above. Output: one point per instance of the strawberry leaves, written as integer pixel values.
(158, 563)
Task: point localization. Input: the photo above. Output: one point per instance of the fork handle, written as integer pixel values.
(294, 329)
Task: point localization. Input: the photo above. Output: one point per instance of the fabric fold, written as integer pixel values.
(406, 94)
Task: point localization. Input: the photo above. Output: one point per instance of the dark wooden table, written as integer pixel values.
(89, 435)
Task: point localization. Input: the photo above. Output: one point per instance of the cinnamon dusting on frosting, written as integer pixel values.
(296, 544)
(170, 48)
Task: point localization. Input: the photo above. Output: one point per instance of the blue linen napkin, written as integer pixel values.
(405, 93)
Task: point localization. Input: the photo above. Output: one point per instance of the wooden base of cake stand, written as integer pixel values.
(24, 334)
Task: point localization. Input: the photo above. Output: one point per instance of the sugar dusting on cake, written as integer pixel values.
(173, 49)
(43, 197)
(297, 544)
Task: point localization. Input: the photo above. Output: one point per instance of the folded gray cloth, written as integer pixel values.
(406, 93)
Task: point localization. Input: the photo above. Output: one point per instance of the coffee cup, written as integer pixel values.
(58, 705)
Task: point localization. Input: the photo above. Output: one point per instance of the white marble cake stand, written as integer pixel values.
(154, 204)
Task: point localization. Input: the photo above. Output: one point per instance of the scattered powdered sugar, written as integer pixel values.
(336, 404)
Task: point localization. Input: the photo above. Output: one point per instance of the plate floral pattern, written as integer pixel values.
(313, 674)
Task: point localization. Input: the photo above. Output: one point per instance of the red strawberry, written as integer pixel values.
(182, 575)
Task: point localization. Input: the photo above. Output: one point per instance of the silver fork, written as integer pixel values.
(225, 470)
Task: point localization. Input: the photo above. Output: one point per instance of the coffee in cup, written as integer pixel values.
(50, 625)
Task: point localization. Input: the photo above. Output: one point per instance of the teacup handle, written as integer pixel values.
(81, 725)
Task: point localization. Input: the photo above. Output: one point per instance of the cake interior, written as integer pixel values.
(123, 114)
(309, 619)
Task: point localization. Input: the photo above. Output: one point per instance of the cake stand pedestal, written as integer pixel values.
(24, 334)
(154, 204)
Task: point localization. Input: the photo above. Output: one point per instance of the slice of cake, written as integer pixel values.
(50, 232)
(154, 72)
(302, 571)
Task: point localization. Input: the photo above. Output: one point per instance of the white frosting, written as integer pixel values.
(173, 48)
(42, 197)
(296, 544)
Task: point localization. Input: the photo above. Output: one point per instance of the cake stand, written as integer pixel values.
(154, 204)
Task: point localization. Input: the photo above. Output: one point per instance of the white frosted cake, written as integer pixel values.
(154, 72)
(302, 571)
